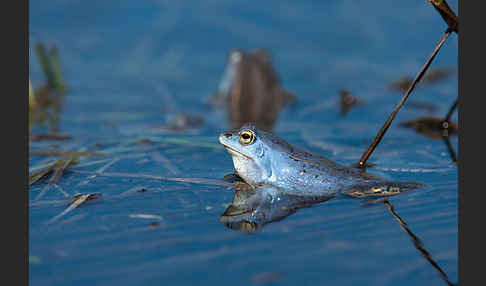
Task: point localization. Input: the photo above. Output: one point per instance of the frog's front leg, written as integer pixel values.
(233, 178)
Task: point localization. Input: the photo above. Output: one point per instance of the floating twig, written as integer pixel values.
(153, 177)
(100, 170)
(159, 158)
(145, 216)
(128, 156)
(57, 174)
(34, 178)
(76, 201)
(61, 190)
(91, 196)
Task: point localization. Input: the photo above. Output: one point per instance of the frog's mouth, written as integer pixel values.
(238, 153)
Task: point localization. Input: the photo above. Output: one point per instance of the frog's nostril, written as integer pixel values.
(227, 134)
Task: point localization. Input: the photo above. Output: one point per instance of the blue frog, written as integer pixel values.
(262, 159)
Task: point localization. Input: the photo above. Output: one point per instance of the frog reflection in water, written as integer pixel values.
(252, 208)
(282, 178)
(250, 90)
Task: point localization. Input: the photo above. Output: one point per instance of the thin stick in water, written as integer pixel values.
(451, 111)
(384, 128)
(56, 176)
(202, 181)
(450, 149)
(78, 201)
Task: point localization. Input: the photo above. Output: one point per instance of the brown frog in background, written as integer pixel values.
(250, 90)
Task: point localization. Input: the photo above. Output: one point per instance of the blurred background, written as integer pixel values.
(141, 79)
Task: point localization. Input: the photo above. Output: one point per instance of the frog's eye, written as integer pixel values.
(246, 137)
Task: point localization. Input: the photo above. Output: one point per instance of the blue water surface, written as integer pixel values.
(133, 65)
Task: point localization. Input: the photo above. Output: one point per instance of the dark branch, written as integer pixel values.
(447, 14)
(384, 128)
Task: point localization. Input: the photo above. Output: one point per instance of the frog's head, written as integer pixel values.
(252, 151)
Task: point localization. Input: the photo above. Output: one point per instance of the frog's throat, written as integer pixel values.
(237, 153)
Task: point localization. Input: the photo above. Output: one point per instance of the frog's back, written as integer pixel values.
(328, 177)
(319, 163)
(310, 173)
(331, 168)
